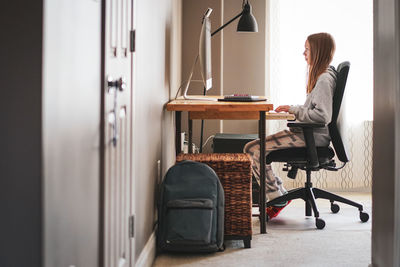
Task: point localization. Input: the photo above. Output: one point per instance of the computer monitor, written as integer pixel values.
(205, 50)
(204, 56)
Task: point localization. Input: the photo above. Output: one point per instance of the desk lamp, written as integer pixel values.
(247, 23)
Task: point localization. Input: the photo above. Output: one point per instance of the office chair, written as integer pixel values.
(312, 158)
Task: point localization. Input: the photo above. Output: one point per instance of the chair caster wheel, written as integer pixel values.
(319, 223)
(335, 208)
(364, 217)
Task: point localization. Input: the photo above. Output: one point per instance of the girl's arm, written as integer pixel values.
(320, 108)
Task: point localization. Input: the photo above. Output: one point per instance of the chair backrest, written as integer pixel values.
(336, 124)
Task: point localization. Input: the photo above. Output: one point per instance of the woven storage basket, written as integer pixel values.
(234, 172)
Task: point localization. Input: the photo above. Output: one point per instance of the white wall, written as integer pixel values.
(244, 64)
(156, 76)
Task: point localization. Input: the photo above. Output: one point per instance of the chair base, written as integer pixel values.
(310, 194)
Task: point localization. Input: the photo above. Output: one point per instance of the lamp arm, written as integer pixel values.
(226, 24)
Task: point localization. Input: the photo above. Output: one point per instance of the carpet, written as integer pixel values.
(293, 240)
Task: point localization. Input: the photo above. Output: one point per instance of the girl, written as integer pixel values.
(318, 53)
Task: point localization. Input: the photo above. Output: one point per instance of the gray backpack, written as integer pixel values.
(191, 209)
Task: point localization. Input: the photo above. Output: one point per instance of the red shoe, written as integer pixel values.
(273, 211)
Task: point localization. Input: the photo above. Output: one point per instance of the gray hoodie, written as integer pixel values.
(318, 106)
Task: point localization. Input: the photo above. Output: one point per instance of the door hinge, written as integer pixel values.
(133, 40)
(132, 226)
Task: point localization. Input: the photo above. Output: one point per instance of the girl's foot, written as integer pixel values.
(273, 211)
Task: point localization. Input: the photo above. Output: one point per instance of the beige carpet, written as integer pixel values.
(293, 240)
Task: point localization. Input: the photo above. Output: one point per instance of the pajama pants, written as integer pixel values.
(280, 140)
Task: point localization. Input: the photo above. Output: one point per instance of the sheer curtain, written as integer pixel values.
(350, 23)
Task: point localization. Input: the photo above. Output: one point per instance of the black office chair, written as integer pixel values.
(312, 158)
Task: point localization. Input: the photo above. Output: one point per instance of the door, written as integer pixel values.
(117, 172)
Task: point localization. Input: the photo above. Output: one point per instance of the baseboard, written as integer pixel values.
(148, 254)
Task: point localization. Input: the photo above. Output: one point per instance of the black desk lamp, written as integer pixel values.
(247, 23)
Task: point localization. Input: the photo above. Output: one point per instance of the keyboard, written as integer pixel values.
(241, 98)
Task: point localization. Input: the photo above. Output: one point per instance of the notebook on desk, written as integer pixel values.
(242, 98)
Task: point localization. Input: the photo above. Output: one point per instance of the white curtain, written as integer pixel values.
(350, 23)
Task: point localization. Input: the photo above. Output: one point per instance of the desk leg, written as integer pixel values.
(178, 148)
(261, 132)
(190, 139)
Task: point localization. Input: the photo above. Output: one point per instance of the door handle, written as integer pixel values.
(115, 86)
(119, 84)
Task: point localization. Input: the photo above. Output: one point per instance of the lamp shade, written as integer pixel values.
(247, 22)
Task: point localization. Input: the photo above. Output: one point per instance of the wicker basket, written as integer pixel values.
(234, 172)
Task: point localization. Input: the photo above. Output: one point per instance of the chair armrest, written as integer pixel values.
(308, 131)
(303, 125)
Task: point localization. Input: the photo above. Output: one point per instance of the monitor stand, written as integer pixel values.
(187, 97)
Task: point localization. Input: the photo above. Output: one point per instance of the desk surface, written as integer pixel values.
(199, 109)
(181, 104)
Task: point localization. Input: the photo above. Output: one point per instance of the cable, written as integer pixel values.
(208, 139)
(202, 127)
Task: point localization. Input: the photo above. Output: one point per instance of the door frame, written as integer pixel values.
(386, 135)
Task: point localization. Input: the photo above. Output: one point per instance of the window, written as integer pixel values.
(349, 22)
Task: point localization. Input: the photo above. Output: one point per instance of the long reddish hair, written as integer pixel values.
(322, 48)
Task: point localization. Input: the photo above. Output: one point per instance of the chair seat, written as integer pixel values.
(299, 155)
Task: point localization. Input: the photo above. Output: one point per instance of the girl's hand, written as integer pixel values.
(284, 108)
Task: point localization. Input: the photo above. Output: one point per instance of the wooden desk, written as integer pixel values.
(199, 109)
